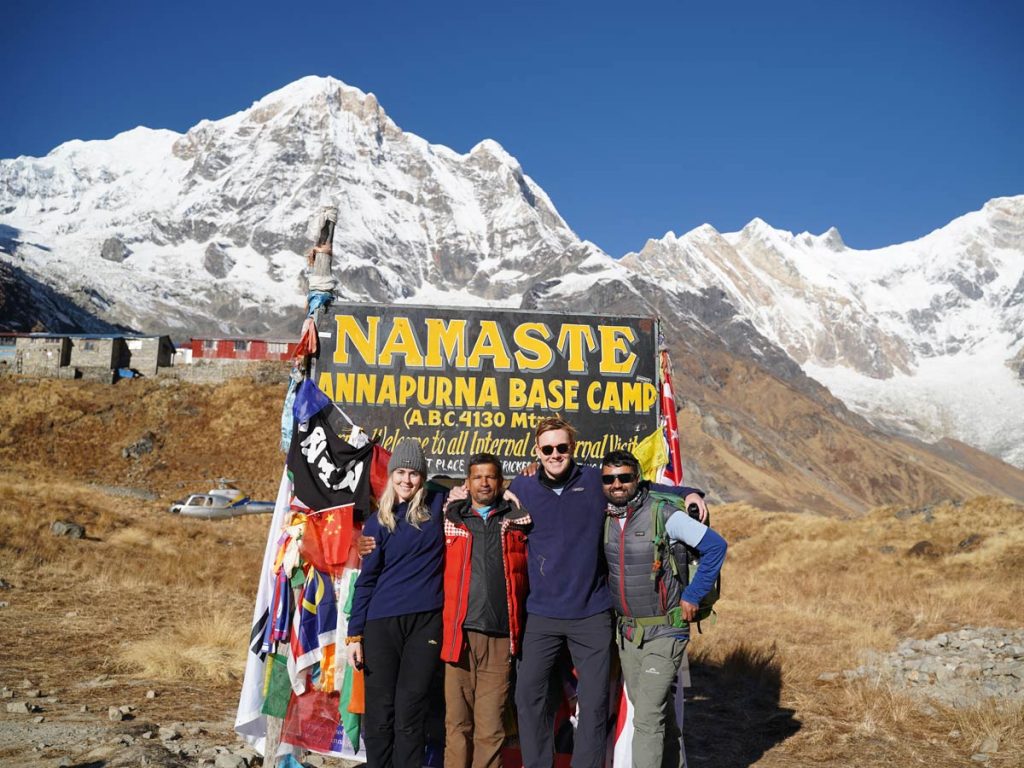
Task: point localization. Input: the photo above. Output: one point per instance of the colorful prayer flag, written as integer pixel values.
(250, 722)
(314, 626)
(652, 454)
(312, 720)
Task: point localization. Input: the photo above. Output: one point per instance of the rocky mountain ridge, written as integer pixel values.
(202, 233)
(924, 337)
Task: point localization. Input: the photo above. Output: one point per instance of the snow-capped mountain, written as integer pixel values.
(203, 232)
(925, 336)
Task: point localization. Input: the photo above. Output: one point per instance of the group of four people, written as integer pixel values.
(500, 578)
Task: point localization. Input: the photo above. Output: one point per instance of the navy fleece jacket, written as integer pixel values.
(565, 558)
(405, 571)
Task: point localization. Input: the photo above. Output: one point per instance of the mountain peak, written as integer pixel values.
(703, 232)
(124, 148)
(758, 228)
(832, 239)
(495, 150)
(1008, 201)
(312, 86)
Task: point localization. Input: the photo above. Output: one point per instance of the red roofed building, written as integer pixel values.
(241, 349)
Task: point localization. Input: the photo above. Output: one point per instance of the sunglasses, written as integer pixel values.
(624, 478)
(547, 450)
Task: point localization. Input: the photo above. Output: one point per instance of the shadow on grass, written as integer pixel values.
(732, 714)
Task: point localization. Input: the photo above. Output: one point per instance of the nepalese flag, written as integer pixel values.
(314, 626)
(673, 472)
(327, 471)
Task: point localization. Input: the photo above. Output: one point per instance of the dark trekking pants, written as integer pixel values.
(402, 654)
(590, 645)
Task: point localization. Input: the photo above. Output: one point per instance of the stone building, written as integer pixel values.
(85, 356)
(41, 354)
(147, 354)
(93, 354)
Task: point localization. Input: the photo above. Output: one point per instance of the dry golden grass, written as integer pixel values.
(209, 648)
(162, 598)
(76, 429)
(145, 593)
(148, 596)
(807, 595)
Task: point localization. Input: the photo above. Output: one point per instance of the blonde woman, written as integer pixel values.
(395, 627)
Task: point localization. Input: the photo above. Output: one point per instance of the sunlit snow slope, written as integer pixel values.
(203, 233)
(925, 336)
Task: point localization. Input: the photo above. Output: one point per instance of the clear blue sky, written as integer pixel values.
(885, 119)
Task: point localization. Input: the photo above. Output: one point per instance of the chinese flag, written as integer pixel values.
(328, 538)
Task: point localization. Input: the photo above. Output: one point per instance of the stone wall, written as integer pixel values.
(147, 355)
(217, 371)
(96, 353)
(41, 356)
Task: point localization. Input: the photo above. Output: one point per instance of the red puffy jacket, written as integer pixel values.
(458, 569)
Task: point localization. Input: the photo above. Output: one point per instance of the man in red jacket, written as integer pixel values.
(485, 587)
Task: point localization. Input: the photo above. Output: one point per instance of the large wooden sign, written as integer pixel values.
(469, 380)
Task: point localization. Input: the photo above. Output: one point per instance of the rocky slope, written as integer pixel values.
(925, 337)
(203, 233)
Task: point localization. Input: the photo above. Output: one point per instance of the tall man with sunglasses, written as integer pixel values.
(569, 602)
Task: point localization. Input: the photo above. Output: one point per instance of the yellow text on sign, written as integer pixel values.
(436, 344)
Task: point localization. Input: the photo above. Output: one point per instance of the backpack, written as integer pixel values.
(681, 559)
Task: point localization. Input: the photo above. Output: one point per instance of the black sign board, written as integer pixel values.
(465, 380)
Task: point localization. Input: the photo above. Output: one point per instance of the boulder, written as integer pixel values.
(231, 761)
(140, 447)
(970, 543)
(114, 250)
(67, 528)
(924, 549)
(217, 261)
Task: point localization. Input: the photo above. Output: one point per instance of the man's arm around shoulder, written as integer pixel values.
(690, 496)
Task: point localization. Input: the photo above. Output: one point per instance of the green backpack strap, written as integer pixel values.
(662, 545)
(682, 571)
